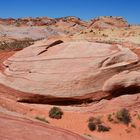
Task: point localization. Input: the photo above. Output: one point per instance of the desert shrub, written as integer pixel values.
(103, 128)
(96, 120)
(41, 119)
(56, 113)
(112, 118)
(104, 35)
(91, 126)
(91, 119)
(123, 115)
(91, 31)
(109, 117)
(94, 123)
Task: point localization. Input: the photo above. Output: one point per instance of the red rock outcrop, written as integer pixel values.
(40, 27)
(65, 70)
(108, 22)
(41, 21)
(126, 82)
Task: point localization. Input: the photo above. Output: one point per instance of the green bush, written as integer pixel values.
(56, 113)
(103, 128)
(92, 126)
(123, 115)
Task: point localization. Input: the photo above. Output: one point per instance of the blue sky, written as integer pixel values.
(85, 9)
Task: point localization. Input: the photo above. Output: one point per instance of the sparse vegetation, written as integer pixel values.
(91, 119)
(123, 115)
(94, 123)
(103, 128)
(96, 120)
(110, 118)
(15, 45)
(91, 31)
(41, 119)
(92, 126)
(56, 113)
(104, 35)
(127, 130)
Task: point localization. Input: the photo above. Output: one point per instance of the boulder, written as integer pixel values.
(65, 70)
(126, 82)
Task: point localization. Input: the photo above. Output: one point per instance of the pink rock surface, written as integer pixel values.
(65, 70)
(15, 127)
(124, 80)
(40, 27)
(108, 22)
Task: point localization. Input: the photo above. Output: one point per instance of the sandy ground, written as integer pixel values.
(77, 121)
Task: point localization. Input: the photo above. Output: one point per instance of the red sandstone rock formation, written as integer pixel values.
(72, 70)
(40, 21)
(108, 22)
(40, 27)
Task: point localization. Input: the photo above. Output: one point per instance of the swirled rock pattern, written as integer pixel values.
(59, 70)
